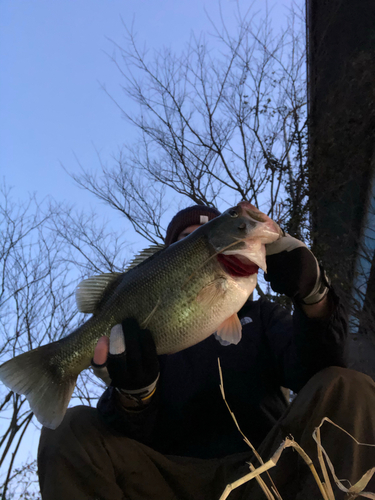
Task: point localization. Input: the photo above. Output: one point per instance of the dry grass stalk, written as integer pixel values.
(355, 490)
(262, 484)
(271, 463)
(325, 487)
(327, 482)
(264, 487)
(263, 468)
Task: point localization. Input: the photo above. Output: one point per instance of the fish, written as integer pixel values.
(182, 293)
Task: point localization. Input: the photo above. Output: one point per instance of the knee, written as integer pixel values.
(342, 376)
(80, 418)
(78, 421)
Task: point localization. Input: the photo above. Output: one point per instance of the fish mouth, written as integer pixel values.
(237, 266)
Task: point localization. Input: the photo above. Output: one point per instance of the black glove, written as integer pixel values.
(132, 363)
(293, 270)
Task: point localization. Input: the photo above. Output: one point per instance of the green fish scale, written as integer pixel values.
(161, 293)
(144, 293)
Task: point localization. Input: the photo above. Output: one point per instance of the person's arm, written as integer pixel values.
(315, 337)
(321, 340)
(322, 309)
(293, 270)
(301, 345)
(129, 361)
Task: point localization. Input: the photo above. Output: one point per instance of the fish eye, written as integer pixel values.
(233, 212)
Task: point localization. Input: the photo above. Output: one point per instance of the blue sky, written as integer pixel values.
(53, 59)
(53, 63)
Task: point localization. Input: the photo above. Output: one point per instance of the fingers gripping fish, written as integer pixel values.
(182, 293)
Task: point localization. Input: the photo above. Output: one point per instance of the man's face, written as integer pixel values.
(187, 231)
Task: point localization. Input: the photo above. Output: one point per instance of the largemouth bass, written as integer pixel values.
(182, 293)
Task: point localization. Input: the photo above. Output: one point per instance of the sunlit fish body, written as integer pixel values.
(182, 293)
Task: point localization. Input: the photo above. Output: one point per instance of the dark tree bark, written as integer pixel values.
(341, 52)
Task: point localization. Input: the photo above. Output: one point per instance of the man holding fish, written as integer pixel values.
(162, 429)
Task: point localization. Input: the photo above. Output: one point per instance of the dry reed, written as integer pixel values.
(325, 487)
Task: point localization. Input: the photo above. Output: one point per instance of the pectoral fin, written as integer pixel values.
(212, 293)
(230, 332)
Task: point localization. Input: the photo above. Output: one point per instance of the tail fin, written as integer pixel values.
(47, 387)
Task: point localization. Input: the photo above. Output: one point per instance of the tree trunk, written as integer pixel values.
(341, 65)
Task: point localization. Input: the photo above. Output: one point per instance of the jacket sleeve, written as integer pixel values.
(136, 424)
(302, 346)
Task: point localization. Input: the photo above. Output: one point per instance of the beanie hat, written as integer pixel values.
(197, 214)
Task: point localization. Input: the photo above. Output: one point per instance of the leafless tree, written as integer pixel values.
(36, 307)
(45, 250)
(222, 121)
(362, 310)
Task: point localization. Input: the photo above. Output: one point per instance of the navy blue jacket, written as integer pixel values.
(188, 416)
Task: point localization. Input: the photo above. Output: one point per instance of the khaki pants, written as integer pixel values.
(83, 460)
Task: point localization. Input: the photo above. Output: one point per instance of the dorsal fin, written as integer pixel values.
(90, 291)
(143, 255)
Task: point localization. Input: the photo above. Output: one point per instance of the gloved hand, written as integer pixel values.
(132, 363)
(293, 270)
